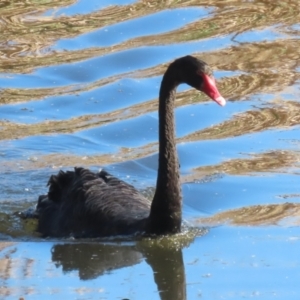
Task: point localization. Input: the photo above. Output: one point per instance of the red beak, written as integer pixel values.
(210, 89)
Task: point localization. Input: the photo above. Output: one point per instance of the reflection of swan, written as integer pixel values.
(168, 270)
(93, 259)
(84, 204)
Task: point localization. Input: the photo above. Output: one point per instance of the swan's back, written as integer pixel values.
(82, 203)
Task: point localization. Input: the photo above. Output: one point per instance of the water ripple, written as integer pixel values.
(79, 84)
(286, 214)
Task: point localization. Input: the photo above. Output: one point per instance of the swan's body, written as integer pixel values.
(86, 204)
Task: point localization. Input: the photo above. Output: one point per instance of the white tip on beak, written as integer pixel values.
(221, 101)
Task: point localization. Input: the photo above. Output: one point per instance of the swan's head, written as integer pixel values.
(197, 73)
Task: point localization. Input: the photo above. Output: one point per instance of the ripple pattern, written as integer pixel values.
(80, 83)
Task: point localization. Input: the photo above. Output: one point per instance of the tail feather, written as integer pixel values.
(57, 184)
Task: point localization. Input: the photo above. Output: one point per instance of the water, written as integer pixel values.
(79, 84)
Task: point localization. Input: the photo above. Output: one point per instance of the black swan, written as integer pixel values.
(82, 203)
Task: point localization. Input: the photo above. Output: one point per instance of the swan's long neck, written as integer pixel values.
(165, 214)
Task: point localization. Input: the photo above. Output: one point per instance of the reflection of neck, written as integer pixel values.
(165, 214)
(169, 275)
